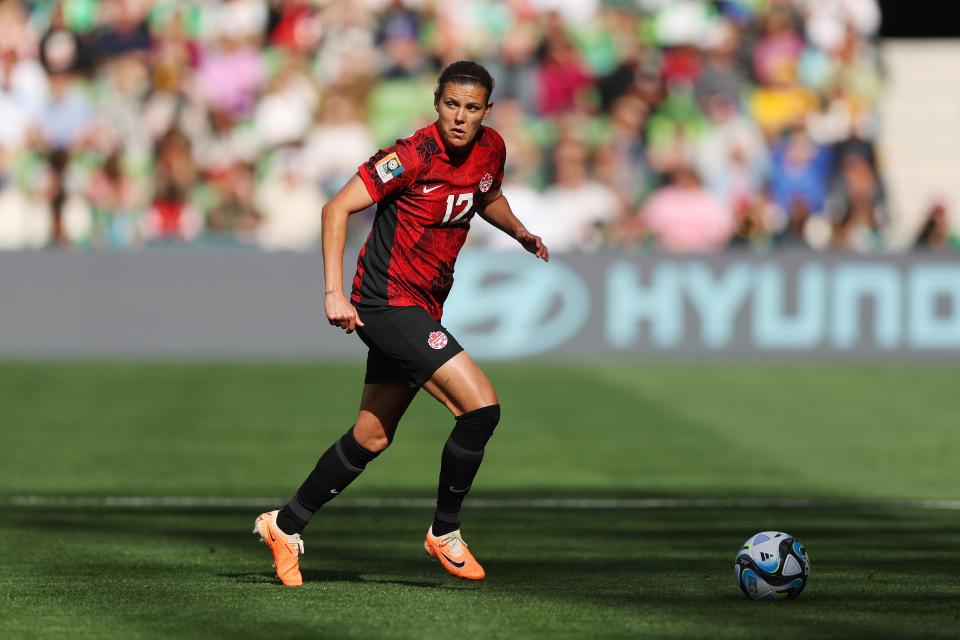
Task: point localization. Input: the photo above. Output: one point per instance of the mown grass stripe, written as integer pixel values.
(189, 502)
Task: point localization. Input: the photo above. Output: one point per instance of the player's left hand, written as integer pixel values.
(533, 244)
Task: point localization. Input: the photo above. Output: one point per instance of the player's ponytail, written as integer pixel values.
(465, 72)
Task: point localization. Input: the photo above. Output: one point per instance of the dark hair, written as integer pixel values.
(465, 72)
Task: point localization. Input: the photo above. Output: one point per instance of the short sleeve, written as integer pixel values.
(496, 161)
(501, 163)
(390, 170)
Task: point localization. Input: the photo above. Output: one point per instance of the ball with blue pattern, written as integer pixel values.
(772, 565)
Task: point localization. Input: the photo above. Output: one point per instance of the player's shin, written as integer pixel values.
(336, 469)
(462, 455)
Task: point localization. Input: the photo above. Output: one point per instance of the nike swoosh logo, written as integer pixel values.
(433, 188)
(458, 565)
(334, 491)
(452, 490)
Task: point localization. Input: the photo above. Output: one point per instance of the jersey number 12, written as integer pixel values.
(465, 199)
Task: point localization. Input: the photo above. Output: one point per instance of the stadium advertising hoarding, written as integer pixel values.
(503, 306)
(733, 303)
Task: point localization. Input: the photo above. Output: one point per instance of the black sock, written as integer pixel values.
(459, 464)
(336, 468)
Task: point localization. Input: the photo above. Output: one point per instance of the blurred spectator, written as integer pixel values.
(856, 180)
(125, 31)
(525, 136)
(731, 157)
(936, 233)
(720, 72)
(827, 21)
(674, 130)
(297, 27)
(171, 217)
(681, 22)
(174, 54)
(858, 231)
(117, 200)
(61, 49)
(68, 112)
(781, 100)
(623, 57)
(799, 179)
(287, 106)
(23, 94)
(70, 216)
(570, 11)
(621, 162)
(561, 77)
(23, 222)
(231, 207)
(399, 38)
(782, 104)
(685, 217)
(857, 204)
(777, 52)
(581, 208)
(122, 83)
(127, 123)
(223, 140)
(56, 195)
(288, 205)
(17, 33)
(347, 53)
(232, 71)
(338, 143)
(68, 116)
(516, 68)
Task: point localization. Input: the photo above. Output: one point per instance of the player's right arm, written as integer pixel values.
(351, 198)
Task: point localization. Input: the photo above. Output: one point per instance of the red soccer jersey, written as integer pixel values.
(425, 200)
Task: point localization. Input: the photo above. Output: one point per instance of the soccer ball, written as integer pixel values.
(772, 565)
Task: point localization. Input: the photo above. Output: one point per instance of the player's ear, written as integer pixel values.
(486, 114)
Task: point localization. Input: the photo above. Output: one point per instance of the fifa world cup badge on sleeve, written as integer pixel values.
(389, 167)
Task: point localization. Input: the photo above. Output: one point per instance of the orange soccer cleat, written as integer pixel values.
(451, 551)
(285, 548)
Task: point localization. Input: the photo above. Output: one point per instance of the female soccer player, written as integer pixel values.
(427, 188)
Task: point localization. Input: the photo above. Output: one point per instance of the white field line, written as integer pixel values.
(198, 502)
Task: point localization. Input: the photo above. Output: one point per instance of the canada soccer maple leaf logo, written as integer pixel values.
(437, 340)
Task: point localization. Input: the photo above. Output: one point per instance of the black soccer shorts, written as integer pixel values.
(406, 343)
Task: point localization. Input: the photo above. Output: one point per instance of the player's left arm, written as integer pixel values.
(496, 210)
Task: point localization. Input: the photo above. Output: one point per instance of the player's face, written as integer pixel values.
(461, 109)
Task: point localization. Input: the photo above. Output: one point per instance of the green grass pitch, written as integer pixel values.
(866, 443)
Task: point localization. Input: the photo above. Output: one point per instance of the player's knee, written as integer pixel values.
(371, 437)
(480, 422)
(376, 443)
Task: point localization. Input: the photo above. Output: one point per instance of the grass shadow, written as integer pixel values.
(329, 577)
(875, 571)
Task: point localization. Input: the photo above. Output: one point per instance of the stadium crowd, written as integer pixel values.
(687, 125)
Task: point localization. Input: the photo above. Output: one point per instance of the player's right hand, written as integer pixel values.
(340, 313)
